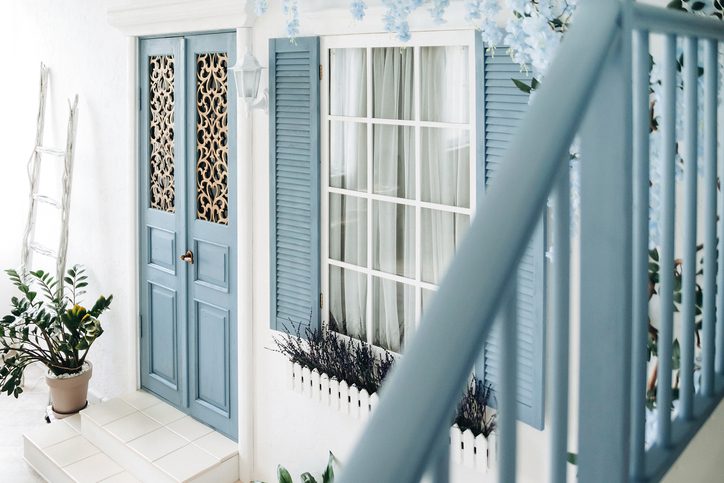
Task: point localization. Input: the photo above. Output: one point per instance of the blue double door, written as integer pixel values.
(187, 214)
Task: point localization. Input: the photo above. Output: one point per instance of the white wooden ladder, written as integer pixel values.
(30, 245)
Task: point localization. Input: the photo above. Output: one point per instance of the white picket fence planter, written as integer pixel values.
(467, 450)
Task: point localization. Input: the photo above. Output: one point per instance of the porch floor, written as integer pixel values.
(18, 416)
(133, 438)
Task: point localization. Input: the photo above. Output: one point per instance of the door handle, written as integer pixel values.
(188, 257)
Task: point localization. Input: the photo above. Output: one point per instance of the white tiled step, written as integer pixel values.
(138, 433)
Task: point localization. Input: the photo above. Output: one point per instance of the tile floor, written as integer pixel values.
(160, 433)
(18, 416)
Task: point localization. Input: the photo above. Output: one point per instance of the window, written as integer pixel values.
(374, 173)
(398, 176)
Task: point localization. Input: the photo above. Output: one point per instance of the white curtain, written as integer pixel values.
(445, 179)
(393, 229)
(348, 214)
(445, 155)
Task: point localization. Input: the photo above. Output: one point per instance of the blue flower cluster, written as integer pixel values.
(261, 6)
(437, 10)
(358, 9)
(291, 11)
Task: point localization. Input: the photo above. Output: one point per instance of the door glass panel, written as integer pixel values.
(161, 132)
(212, 132)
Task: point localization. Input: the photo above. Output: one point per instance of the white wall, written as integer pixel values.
(87, 57)
(288, 428)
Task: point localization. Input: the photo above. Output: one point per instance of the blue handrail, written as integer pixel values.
(419, 399)
(600, 76)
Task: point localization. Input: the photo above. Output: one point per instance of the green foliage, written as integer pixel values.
(327, 476)
(524, 87)
(653, 342)
(47, 324)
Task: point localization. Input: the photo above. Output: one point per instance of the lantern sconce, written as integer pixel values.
(247, 76)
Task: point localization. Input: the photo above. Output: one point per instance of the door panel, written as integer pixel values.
(188, 169)
(162, 201)
(211, 221)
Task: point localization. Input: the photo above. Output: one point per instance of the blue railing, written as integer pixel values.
(597, 88)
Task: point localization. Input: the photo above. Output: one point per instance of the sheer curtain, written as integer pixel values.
(348, 214)
(393, 229)
(444, 174)
(445, 155)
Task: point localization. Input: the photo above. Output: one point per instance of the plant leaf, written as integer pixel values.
(308, 478)
(283, 475)
(522, 85)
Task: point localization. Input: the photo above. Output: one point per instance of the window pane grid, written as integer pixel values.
(399, 122)
(418, 185)
(383, 275)
(405, 180)
(401, 201)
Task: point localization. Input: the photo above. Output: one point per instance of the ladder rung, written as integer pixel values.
(37, 247)
(47, 200)
(52, 152)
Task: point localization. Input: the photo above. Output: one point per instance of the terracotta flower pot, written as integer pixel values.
(69, 394)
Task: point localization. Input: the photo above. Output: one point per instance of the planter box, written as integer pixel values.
(474, 452)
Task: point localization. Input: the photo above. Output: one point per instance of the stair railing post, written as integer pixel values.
(606, 286)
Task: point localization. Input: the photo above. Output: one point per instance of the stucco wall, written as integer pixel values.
(88, 57)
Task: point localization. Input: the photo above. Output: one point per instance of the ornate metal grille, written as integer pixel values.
(161, 132)
(212, 192)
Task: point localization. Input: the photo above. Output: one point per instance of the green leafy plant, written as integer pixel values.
(327, 475)
(653, 339)
(48, 324)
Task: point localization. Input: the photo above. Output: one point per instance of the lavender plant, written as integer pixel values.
(358, 363)
(342, 359)
(472, 412)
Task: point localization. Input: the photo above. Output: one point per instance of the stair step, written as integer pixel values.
(133, 438)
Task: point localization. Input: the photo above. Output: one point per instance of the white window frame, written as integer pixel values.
(463, 38)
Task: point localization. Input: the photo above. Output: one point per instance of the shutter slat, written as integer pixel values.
(294, 165)
(504, 106)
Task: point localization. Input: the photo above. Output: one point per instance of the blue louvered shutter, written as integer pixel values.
(502, 106)
(294, 176)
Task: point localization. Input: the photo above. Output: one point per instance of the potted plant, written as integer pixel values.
(48, 324)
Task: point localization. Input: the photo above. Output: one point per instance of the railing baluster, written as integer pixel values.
(507, 385)
(712, 135)
(440, 467)
(688, 285)
(666, 262)
(560, 329)
(641, 121)
(711, 71)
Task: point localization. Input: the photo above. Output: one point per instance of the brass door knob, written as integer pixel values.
(188, 257)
